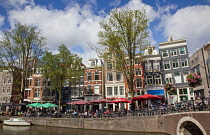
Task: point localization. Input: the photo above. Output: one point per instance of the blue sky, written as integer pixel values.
(75, 23)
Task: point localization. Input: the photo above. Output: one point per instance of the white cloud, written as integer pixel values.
(16, 4)
(76, 26)
(138, 4)
(192, 23)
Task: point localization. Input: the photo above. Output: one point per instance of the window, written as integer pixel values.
(109, 77)
(37, 93)
(182, 51)
(38, 82)
(96, 75)
(5, 80)
(89, 76)
(177, 77)
(96, 89)
(158, 80)
(8, 89)
(109, 91)
(121, 90)
(183, 91)
(168, 78)
(156, 66)
(4, 89)
(138, 83)
(138, 71)
(89, 90)
(184, 62)
(109, 66)
(167, 65)
(185, 73)
(115, 90)
(9, 80)
(175, 63)
(119, 76)
(164, 53)
(148, 67)
(149, 80)
(173, 52)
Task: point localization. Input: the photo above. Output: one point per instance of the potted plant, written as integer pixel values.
(194, 79)
(169, 88)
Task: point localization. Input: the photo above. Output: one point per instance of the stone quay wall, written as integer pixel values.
(140, 124)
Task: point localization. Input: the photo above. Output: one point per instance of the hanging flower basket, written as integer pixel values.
(169, 88)
(194, 79)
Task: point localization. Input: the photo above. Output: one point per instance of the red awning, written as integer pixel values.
(148, 96)
(121, 100)
(100, 101)
(79, 102)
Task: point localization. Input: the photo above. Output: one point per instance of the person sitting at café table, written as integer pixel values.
(108, 112)
(74, 114)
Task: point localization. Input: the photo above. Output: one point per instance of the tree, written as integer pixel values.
(17, 48)
(61, 67)
(123, 38)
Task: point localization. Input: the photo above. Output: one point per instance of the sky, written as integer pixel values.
(75, 23)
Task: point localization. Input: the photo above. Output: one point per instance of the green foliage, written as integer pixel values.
(62, 67)
(123, 37)
(17, 47)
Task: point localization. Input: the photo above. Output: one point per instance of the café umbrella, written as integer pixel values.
(121, 100)
(100, 101)
(47, 105)
(33, 105)
(79, 102)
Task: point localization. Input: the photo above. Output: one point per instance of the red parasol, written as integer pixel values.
(100, 101)
(121, 100)
(148, 96)
(79, 102)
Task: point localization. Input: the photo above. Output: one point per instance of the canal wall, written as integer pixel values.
(140, 124)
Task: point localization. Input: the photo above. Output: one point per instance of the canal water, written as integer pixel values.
(43, 130)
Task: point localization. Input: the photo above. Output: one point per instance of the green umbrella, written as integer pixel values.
(34, 105)
(47, 105)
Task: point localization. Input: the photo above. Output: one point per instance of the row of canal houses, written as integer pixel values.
(170, 64)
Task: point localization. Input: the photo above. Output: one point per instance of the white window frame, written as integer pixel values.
(37, 93)
(122, 91)
(184, 49)
(139, 82)
(158, 80)
(164, 52)
(89, 76)
(173, 52)
(119, 74)
(149, 80)
(184, 63)
(138, 72)
(96, 75)
(168, 78)
(156, 66)
(175, 63)
(96, 89)
(115, 90)
(109, 77)
(109, 91)
(168, 65)
(148, 67)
